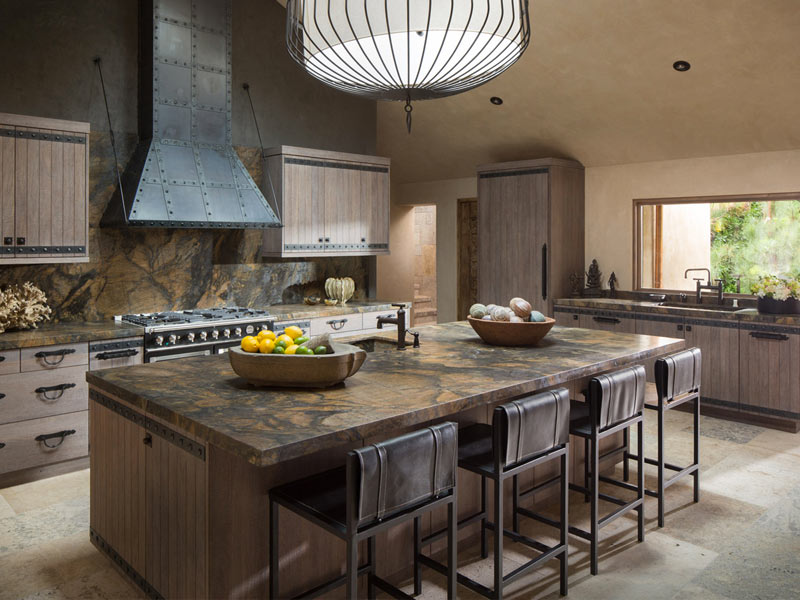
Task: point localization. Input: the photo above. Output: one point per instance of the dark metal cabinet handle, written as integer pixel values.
(320, 239)
(688, 328)
(54, 388)
(680, 327)
(20, 241)
(117, 354)
(574, 317)
(61, 435)
(761, 335)
(8, 241)
(327, 239)
(148, 440)
(2, 445)
(337, 325)
(44, 354)
(2, 396)
(606, 320)
(544, 272)
(2, 358)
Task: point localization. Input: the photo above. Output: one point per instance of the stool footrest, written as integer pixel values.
(537, 517)
(622, 484)
(539, 487)
(387, 587)
(654, 462)
(436, 536)
(619, 512)
(521, 539)
(462, 579)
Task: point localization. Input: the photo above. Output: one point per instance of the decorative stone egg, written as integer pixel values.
(477, 311)
(501, 313)
(537, 317)
(490, 308)
(521, 308)
(486, 318)
(517, 319)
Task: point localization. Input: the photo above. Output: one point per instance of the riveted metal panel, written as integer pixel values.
(149, 203)
(211, 89)
(179, 11)
(179, 165)
(210, 14)
(175, 85)
(172, 43)
(186, 203)
(216, 166)
(173, 123)
(210, 50)
(223, 204)
(209, 127)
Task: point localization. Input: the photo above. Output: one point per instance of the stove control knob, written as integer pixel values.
(204, 336)
(159, 340)
(190, 337)
(249, 329)
(215, 335)
(173, 338)
(226, 333)
(238, 331)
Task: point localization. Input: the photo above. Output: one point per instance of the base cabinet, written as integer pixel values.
(662, 327)
(769, 370)
(719, 343)
(608, 321)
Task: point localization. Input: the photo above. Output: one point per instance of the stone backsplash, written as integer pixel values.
(144, 270)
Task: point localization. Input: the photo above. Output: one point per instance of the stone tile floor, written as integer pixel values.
(742, 541)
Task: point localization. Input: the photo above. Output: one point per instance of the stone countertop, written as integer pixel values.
(750, 315)
(452, 371)
(73, 332)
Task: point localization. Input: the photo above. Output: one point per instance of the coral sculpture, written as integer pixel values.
(22, 307)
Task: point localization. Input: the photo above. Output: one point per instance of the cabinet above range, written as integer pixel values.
(330, 203)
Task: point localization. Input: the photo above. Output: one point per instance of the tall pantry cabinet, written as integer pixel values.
(530, 230)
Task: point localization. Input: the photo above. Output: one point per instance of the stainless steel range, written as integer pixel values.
(197, 332)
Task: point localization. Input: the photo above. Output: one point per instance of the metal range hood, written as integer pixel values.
(184, 171)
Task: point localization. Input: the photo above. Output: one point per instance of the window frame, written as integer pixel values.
(638, 203)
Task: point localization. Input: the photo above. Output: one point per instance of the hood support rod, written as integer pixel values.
(97, 61)
(246, 87)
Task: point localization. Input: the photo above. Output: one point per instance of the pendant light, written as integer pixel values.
(406, 50)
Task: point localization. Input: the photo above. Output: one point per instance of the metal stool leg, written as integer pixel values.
(273, 550)
(697, 448)
(484, 532)
(515, 504)
(626, 453)
(564, 524)
(452, 550)
(417, 550)
(595, 500)
(498, 539)
(352, 569)
(371, 554)
(640, 475)
(586, 468)
(660, 463)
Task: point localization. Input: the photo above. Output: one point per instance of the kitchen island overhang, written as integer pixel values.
(191, 450)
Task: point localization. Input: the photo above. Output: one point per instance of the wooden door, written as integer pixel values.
(374, 214)
(344, 220)
(7, 187)
(467, 256)
(513, 225)
(303, 207)
(609, 322)
(769, 370)
(662, 327)
(176, 516)
(719, 344)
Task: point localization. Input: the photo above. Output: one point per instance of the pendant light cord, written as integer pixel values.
(97, 61)
(246, 87)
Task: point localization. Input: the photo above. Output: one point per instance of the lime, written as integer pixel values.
(301, 340)
(282, 344)
(278, 349)
(304, 350)
(320, 350)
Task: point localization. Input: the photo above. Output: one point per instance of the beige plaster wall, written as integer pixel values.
(610, 192)
(395, 272)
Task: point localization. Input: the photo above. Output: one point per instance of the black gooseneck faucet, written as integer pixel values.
(400, 321)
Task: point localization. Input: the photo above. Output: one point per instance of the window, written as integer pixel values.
(738, 238)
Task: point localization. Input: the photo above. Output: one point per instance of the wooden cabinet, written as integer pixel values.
(330, 203)
(530, 230)
(662, 326)
(719, 343)
(566, 317)
(609, 321)
(769, 369)
(44, 174)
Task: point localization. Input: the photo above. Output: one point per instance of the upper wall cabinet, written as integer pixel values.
(330, 203)
(44, 191)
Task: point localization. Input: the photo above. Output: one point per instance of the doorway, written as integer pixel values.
(424, 307)
(467, 255)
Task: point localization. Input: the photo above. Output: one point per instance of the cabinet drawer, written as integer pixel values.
(44, 358)
(115, 353)
(9, 362)
(336, 324)
(567, 319)
(35, 395)
(608, 322)
(370, 319)
(22, 450)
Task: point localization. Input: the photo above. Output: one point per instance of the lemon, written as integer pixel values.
(249, 344)
(266, 334)
(266, 346)
(293, 331)
(292, 349)
(286, 339)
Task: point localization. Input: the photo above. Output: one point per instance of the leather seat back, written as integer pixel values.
(405, 471)
(618, 396)
(678, 374)
(531, 426)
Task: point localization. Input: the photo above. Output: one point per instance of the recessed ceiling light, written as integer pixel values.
(681, 66)
(496, 100)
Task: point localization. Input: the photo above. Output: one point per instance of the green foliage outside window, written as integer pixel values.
(754, 239)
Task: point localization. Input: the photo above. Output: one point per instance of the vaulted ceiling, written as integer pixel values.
(597, 85)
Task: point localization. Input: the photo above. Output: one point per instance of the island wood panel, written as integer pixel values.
(769, 376)
(660, 328)
(7, 190)
(719, 346)
(605, 322)
(567, 230)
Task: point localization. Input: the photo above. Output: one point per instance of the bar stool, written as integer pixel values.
(677, 382)
(523, 434)
(615, 402)
(381, 486)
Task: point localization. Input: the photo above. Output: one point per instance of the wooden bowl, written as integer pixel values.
(292, 370)
(504, 333)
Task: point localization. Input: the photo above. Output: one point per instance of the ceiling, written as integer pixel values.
(597, 85)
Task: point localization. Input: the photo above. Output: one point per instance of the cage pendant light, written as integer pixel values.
(406, 50)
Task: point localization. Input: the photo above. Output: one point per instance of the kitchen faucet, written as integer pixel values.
(717, 287)
(400, 321)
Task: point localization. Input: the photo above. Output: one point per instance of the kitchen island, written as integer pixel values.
(183, 453)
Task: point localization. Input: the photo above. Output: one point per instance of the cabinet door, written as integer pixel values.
(609, 322)
(769, 372)
(720, 349)
(663, 328)
(375, 210)
(303, 207)
(7, 187)
(513, 225)
(567, 319)
(343, 209)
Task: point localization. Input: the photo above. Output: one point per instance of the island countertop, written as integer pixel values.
(453, 371)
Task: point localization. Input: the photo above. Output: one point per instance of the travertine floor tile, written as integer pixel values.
(46, 492)
(5, 509)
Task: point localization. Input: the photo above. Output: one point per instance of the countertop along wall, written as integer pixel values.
(48, 71)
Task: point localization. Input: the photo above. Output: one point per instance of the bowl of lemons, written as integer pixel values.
(291, 358)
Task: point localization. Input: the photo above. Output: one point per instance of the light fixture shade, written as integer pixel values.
(406, 50)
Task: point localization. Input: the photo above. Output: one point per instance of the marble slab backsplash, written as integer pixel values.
(143, 270)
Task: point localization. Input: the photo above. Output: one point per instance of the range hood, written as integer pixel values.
(184, 171)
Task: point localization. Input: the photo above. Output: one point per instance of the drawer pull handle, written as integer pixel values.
(2, 358)
(49, 436)
(606, 320)
(45, 354)
(337, 325)
(778, 337)
(117, 354)
(2, 396)
(148, 440)
(2, 445)
(54, 388)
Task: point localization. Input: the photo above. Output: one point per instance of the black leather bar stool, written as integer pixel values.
(381, 486)
(523, 434)
(677, 382)
(614, 402)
